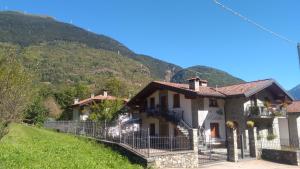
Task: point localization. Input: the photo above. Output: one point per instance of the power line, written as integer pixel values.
(263, 28)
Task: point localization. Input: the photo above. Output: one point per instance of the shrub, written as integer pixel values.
(271, 136)
(230, 124)
(277, 113)
(250, 124)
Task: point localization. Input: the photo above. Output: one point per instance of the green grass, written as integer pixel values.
(30, 147)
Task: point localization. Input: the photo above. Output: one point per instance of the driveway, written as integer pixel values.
(251, 164)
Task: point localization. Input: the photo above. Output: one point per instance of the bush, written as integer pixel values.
(277, 113)
(271, 137)
(36, 113)
(250, 124)
(230, 124)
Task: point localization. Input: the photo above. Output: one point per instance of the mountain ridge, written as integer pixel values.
(214, 76)
(64, 53)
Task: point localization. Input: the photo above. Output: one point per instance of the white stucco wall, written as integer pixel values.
(185, 104)
(156, 97)
(284, 131)
(209, 115)
(146, 121)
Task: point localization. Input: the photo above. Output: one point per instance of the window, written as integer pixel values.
(176, 100)
(152, 103)
(213, 103)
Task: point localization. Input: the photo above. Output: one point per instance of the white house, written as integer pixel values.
(170, 109)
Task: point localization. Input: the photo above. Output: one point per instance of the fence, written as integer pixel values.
(130, 137)
(279, 143)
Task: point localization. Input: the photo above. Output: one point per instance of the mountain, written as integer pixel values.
(26, 30)
(212, 75)
(295, 92)
(61, 53)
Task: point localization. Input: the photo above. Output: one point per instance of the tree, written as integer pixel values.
(66, 96)
(106, 110)
(36, 113)
(114, 86)
(15, 89)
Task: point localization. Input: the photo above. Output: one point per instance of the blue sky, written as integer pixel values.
(193, 32)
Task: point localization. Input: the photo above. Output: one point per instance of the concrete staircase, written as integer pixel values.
(183, 128)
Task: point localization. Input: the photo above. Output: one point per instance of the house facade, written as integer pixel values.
(82, 108)
(294, 123)
(171, 109)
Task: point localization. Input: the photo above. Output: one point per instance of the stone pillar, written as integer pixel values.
(194, 142)
(276, 131)
(246, 139)
(232, 147)
(194, 139)
(253, 142)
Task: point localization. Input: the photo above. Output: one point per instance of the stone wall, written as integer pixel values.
(187, 159)
(281, 156)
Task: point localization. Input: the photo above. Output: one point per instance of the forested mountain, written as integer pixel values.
(27, 30)
(61, 53)
(67, 62)
(295, 92)
(212, 75)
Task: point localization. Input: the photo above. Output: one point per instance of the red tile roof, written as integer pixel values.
(96, 98)
(245, 88)
(204, 91)
(294, 107)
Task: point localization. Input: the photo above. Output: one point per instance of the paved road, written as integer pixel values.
(251, 164)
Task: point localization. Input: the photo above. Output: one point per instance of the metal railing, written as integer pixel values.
(262, 111)
(174, 115)
(137, 140)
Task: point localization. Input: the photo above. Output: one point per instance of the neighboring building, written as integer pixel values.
(294, 123)
(170, 109)
(81, 108)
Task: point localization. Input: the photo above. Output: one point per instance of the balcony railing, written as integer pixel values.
(263, 111)
(174, 115)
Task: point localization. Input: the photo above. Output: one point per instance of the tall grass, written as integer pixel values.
(30, 147)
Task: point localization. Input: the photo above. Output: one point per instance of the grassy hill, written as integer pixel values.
(30, 148)
(214, 76)
(26, 30)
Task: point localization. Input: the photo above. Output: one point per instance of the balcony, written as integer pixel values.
(174, 115)
(275, 110)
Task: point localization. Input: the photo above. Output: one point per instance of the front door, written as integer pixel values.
(214, 130)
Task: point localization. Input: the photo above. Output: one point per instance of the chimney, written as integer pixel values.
(76, 101)
(203, 83)
(105, 93)
(92, 95)
(196, 82)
